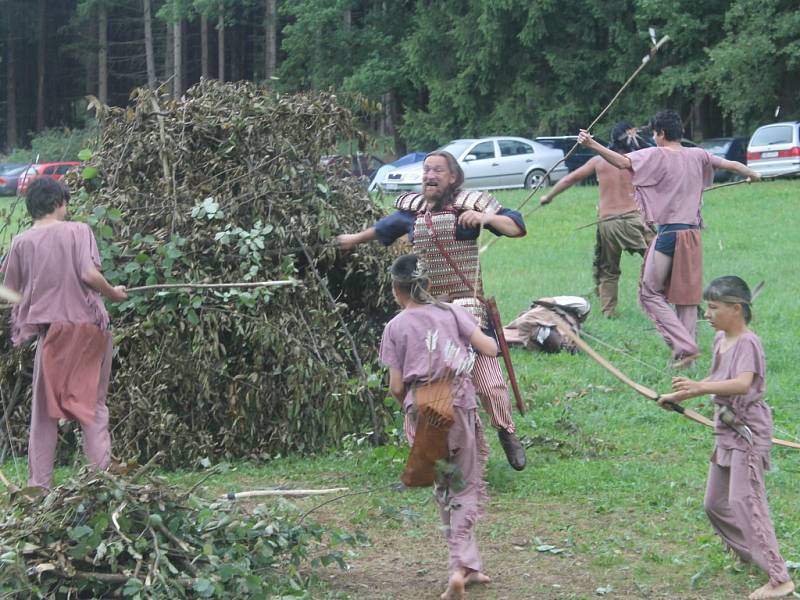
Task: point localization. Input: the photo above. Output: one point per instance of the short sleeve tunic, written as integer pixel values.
(45, 265)
(404, 347)
(668, 184)
(745, 356)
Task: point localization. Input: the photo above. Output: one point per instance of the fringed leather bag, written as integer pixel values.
(434, 403)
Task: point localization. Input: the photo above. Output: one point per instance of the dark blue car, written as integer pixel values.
(9, 177)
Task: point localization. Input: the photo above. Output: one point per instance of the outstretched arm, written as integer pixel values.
(737, 167)
(576, 176)
(618, 160)
(685, 388)
(348, 241)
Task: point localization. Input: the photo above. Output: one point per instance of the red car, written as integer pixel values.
(54, 170)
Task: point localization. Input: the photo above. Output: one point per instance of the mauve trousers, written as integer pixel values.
(677, 326)
(44, 429)
(736, 504)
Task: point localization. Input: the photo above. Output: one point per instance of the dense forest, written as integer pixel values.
(423, 71)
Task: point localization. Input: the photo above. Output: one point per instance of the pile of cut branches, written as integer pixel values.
(102, 534)
(226, 186)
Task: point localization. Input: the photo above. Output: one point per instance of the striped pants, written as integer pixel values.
(491, 389)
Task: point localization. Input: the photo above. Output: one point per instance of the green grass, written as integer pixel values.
(613, 480)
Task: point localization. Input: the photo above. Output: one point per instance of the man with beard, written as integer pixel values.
(444, 217)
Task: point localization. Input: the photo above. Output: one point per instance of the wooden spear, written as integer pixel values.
(646, 59)
(282, 493)
(212, 286)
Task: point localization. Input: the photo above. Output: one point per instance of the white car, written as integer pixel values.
(775, 149)
(489, 163)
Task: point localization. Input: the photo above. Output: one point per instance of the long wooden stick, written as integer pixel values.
(741, 181)
(645, 60)
(283, 493)
(212, 286)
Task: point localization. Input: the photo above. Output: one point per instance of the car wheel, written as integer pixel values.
(533, 178)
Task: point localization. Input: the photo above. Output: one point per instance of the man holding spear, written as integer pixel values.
(444, 223)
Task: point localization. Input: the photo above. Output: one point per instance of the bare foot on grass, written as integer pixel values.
(455, 587)
(773, 591)
(477, 578)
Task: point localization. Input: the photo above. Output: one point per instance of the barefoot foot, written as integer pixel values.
(455, 587)
(773, 591)
(476, 578)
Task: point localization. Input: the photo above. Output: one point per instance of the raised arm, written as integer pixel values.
(618, 160)
(565, 183)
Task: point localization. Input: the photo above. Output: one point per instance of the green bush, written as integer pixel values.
(55, 145)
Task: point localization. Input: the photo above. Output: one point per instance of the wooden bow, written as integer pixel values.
(646, 391)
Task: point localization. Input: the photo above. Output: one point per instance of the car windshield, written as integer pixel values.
(455, 148)
(717, 147)
(766, 136)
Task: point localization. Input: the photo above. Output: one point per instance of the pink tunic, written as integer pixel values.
(403, 347)
(45, 265)
(745, 356)
(669, 183)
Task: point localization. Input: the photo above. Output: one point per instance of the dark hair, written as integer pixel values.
(669, 123)
(44, 196)
(730, 290)
(410, 277)
(621, 141)
(452, 166)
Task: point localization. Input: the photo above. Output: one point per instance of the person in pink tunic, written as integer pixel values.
(736, 499)
(54, 266)
(426, 342)
(619, 227)
(668, 181)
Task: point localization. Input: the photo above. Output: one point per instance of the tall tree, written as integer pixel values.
(203, 46)
(221, 44)
(40, 63)
(102, 52)
(177, 36)
(11, 81)
(271, 38)
(148, 43)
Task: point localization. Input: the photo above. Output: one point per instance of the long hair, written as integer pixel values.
(452, 166)
(410, 276)
(730, 289)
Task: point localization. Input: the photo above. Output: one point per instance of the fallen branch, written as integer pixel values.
(212, 286)
(282, 493)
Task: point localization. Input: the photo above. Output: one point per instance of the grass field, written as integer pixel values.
(611, 502)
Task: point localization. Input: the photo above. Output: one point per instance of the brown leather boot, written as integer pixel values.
(515, 453)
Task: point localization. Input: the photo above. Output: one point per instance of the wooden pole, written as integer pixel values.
(212, 286)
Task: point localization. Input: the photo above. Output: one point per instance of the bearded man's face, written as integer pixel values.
(437, 180)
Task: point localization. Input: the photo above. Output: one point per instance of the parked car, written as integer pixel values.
(54, 170)
(380, 175)
(9, 178)
(489, 163)
(775, 149)
(729, 148)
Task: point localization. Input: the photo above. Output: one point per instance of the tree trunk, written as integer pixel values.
(177, 87)
(204, 46)
(11, 92)
(148, 45)
(271, 40)
(90, 84)
(40, 66)
(169, 64)
(102, 53)
(221, 47)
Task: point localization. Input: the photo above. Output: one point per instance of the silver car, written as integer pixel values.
(775, 149)
(489, 163)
